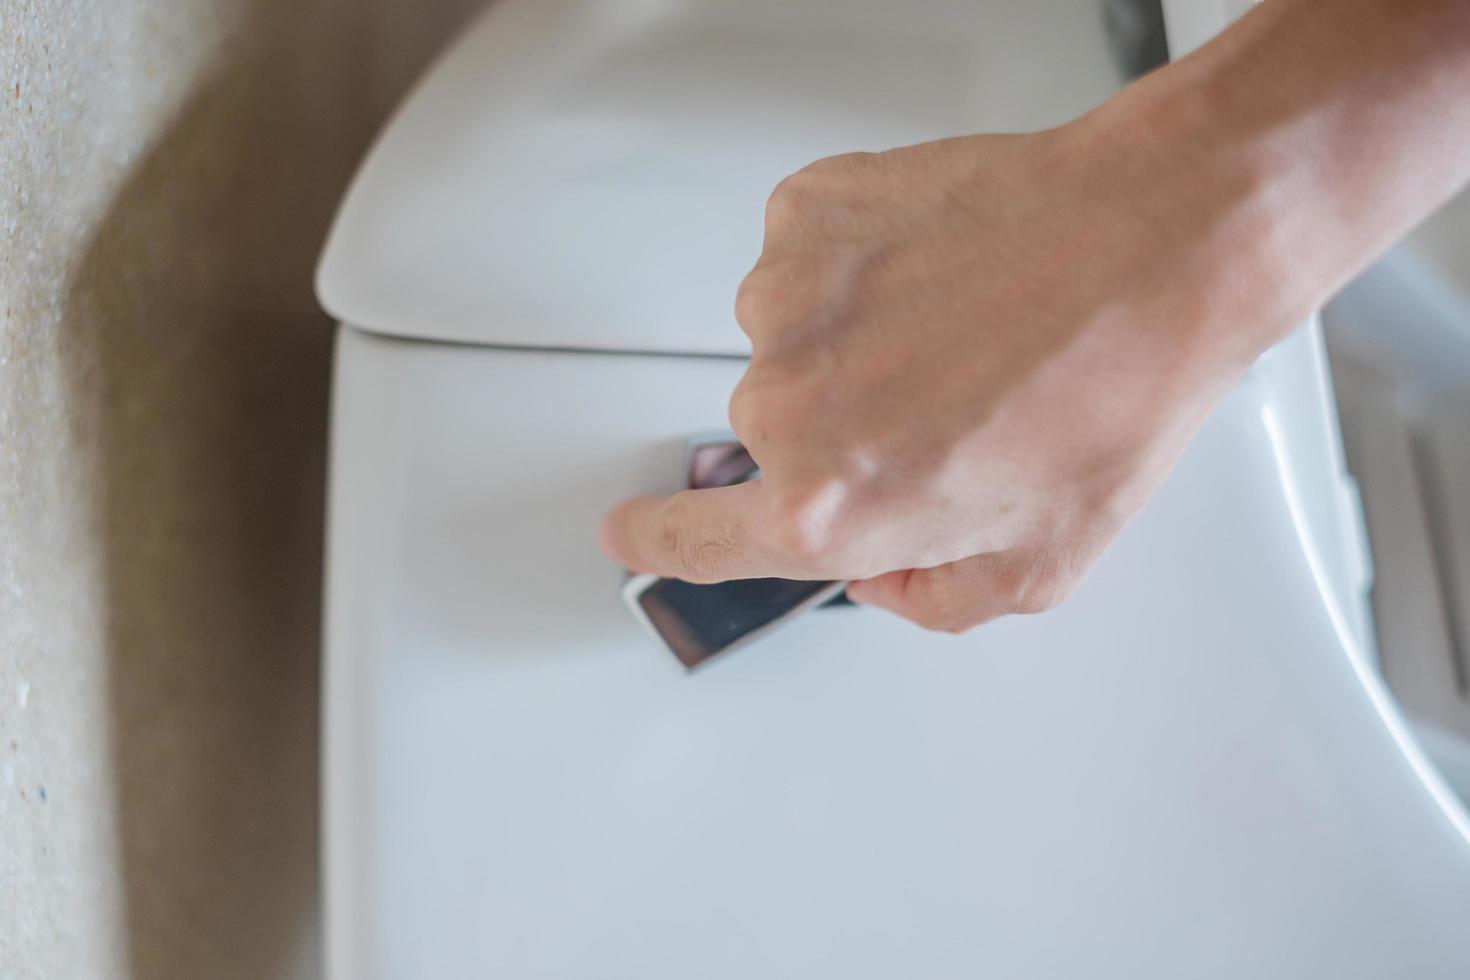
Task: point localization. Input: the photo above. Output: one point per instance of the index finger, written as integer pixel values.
(702, 536)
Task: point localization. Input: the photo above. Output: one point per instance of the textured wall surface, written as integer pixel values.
(167, 171)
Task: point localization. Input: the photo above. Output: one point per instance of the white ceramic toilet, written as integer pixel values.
(1190, 769)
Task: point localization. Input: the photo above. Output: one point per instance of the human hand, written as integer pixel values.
(974, 359)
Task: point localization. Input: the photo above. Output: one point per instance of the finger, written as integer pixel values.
(696, 535)
(952, 597)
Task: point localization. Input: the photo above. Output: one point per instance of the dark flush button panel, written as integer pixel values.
(699, 622)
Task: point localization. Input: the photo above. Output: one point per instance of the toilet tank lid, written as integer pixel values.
(593, 173)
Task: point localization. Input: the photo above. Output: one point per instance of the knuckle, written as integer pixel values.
(753, 300)
(804, 523)
(789, 199)
(695, 554)
(793, 534)
(768, 397)
(676, 546)
(1039, 591)
(797, 194)
(669, 537)
(939, 618)
(747, 413)
(936, 608)
(934, 619)
(780, 297)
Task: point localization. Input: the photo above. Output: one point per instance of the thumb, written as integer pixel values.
(952, 597)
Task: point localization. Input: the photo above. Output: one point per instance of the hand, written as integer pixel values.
(973, 360)
(970, 366)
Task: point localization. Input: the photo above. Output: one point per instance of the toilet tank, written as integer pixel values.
(1189, 768)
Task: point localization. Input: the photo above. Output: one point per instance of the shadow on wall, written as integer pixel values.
(197, 359)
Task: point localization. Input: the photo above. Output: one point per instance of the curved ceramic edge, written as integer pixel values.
(1373, 684)
(593, 174)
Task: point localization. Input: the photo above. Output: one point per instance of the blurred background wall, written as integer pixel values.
(167, 172)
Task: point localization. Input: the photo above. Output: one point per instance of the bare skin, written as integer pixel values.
(973, 360)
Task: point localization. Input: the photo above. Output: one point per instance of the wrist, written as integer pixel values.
(1294, 148)
(1201, 209)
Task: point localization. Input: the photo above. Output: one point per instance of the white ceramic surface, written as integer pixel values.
(1182, 771)
(1189, 769)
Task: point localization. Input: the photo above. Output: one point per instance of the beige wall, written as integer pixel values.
(167, 170)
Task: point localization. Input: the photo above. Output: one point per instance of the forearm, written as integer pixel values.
(1307, 138)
